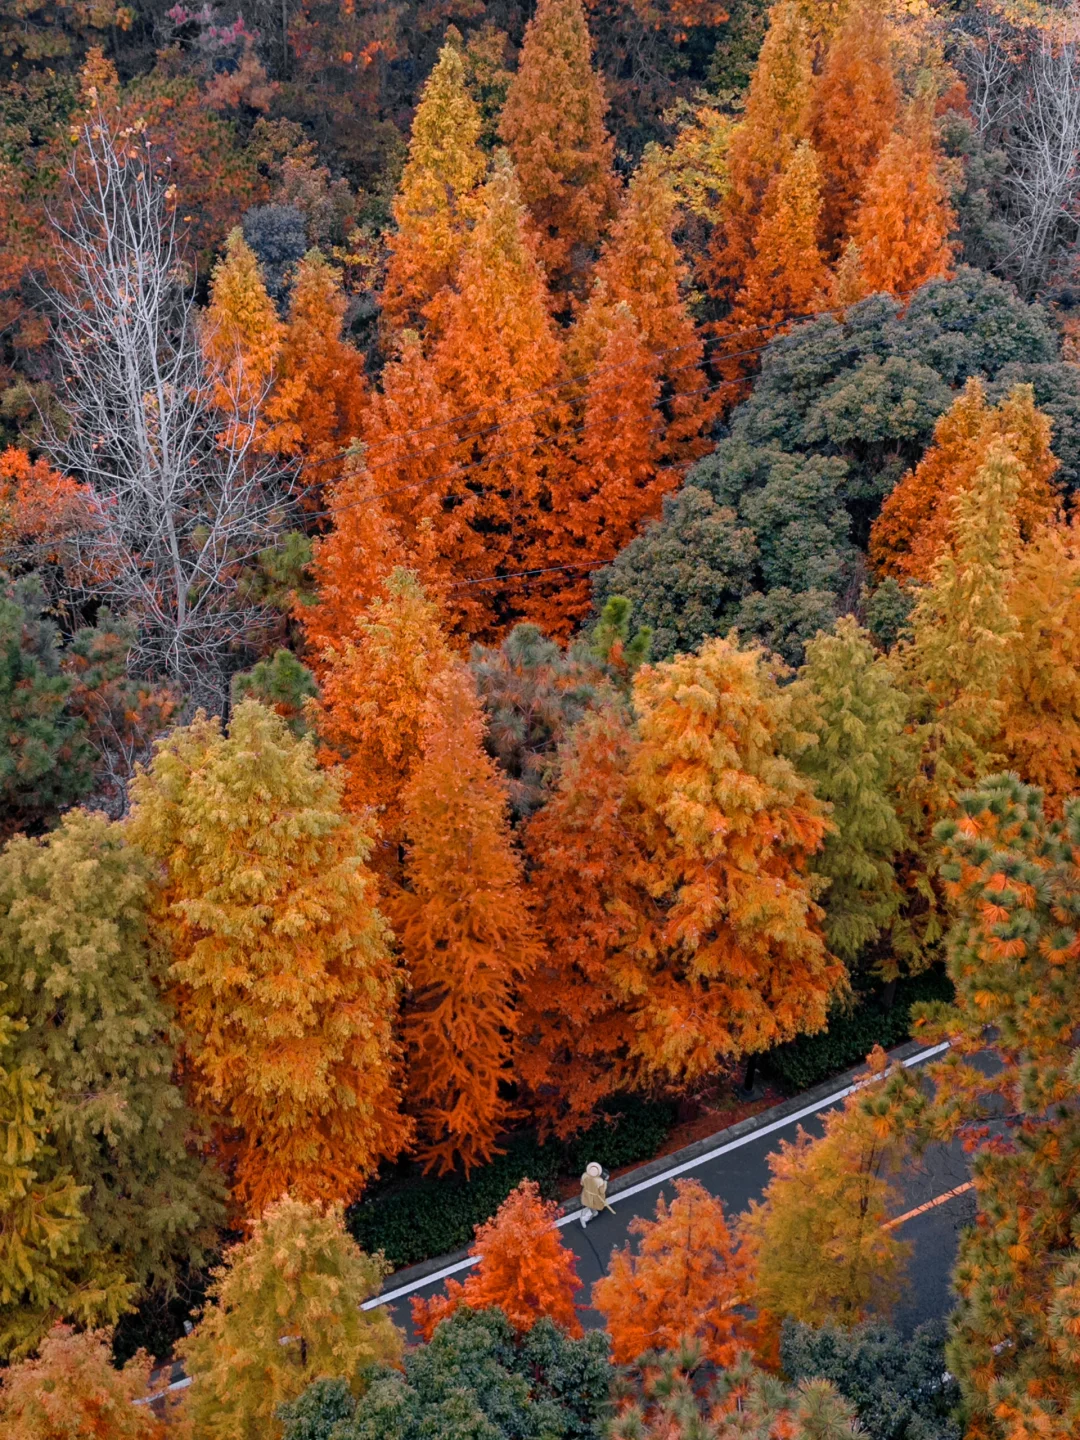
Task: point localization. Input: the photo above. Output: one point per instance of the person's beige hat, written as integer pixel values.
(594, 1169)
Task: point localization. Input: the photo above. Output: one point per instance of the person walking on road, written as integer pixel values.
(593, 1192)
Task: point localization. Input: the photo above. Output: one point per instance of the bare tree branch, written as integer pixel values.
(183, 500)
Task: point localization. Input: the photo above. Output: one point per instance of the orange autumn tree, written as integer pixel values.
(401, 500)
(497, 360)
(774, 120)
(242, 332)
(852, 114)
(415, 460)
(1040, 724)
(901, 227)
(917, 521)
(318, 403)
(523, 1268)
(728, 827)
(641, 266)
(376, 680)
(553, 124)
(280, 971)
(685, 1282)
(42, 513)
(72, 1391)
(437, 199)
(670, 881)
(575, 1043)
(785, 276)
(464, 931)
(617, 480)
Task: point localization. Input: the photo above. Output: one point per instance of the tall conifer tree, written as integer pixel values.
(774, 120)
(853, 112)
(281, 974)
(903, 221)
(375, 686)
(1011, 883)
(553, 124)
(497, 359)
(785, 276)
(437, 199)
(917, 520)
(641, 267)
(524, 1268)
(465, 933)
(77, 966)
(848, 717)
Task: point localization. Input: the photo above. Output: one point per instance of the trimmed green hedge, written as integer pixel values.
(810, 1059)
(413, 1218)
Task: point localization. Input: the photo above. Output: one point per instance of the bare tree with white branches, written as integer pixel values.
(183, 502)
(1024, 90)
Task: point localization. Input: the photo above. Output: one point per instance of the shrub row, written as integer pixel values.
(810, 1059)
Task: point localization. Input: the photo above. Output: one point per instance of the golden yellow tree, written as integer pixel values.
(437, 199)
(280, 968)
(819, 1243)
(284, 1309)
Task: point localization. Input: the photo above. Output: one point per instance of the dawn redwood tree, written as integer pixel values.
(774, 119)
(553, 124)
(785, 276)
(848, 738)
(729, 829)
(320, 395)
(415, 462)
(853, 111)
(818, 1243)
(575, 1043)
(523, 1268)
(78, 968)
(641, 266)
(72, 1388)
(1010, 876)
(283, 1310)
(902, 224)
(616, 480)
(242, 331)
(280, 971)
(1040, 728)
(465, 933)
(437, 198)
(43, 517)
(686, 1282)
(963, 632)
(497, 359)
(918, 518)
(376, 680)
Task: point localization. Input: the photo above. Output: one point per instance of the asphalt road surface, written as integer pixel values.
(740, 1176)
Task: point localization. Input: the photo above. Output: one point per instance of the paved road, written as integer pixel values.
(740, 1176)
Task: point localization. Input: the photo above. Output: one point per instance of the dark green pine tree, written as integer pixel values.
(847, 716)
(46, 760)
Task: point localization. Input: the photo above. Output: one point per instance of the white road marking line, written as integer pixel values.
(391, 1295)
